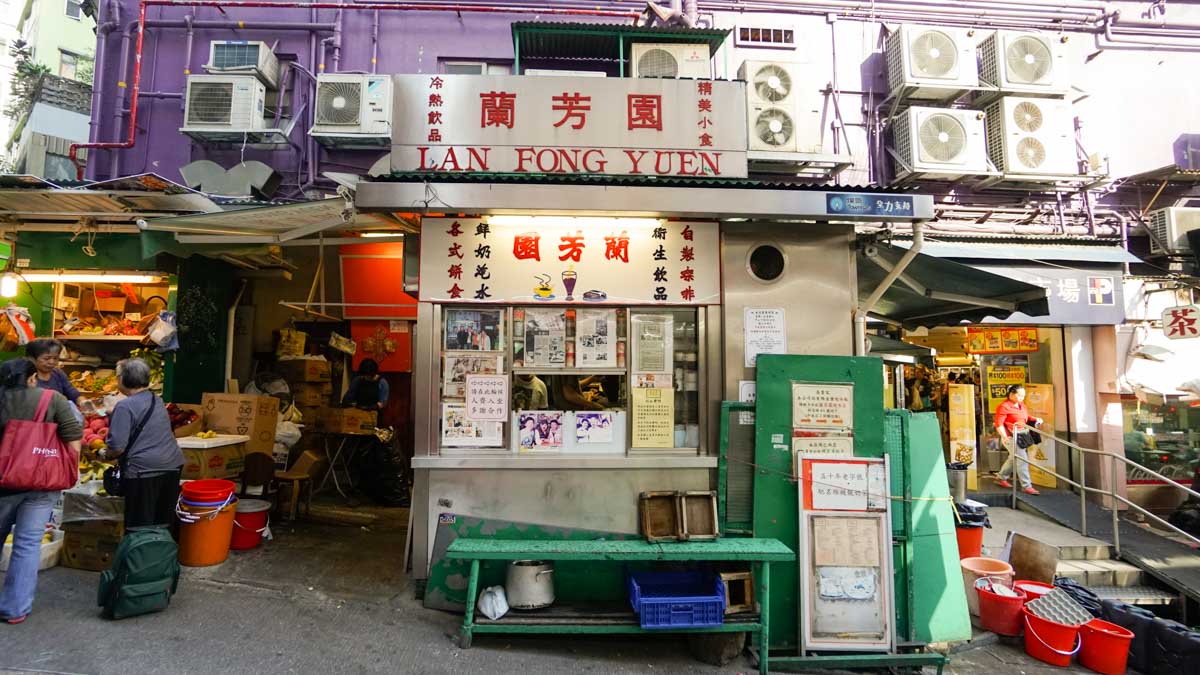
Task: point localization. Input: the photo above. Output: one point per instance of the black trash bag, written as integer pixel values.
(1187, 518)
(1080, 594)
(379, 475)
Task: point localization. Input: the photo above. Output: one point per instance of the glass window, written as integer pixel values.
(74, 9)
(475, 68)
(68, 64)
(1164, 438)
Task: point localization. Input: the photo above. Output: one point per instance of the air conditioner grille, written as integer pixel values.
(772, 83)
(1027, 116)
(943, 138)
(339, 103)
(894, 50)
(903, 138)
(1031, 152)
(774, 127)
(934, 54)
(1159, 226)
(233, 56)
(658, 63)
(209, 103)
(1028, 60)
(995, 134)
(987, 61)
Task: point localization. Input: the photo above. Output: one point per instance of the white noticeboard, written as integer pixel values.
(764, 332)
(820, 405)
(487, 398)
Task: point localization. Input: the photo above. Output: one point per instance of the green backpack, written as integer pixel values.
(143, 577)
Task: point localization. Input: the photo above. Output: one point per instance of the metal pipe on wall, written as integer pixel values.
(113, 13)
(864, 308)
(375, 43)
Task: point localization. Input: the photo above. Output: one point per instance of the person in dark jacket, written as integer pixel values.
(367, 390)
(151, 462)
(45, 354)
(25, 513)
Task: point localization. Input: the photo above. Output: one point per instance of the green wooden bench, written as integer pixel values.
(761, 552)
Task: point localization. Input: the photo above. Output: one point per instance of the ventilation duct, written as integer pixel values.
(247, 179)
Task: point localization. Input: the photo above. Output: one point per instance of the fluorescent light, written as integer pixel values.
(8, 285)
(381, 234)
(568, 221)
(91, 277)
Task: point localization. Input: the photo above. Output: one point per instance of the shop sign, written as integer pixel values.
(842, 204)
(565, 260)
(1077, 296)
(569, 125)
(1181, 323)
(988, 340)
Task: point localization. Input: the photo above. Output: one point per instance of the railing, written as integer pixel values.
(1111, 492)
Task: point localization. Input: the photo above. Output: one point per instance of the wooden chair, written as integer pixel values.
(303, 474)
(260, 472)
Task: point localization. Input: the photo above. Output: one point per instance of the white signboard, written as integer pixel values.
(818, 405)
(765, 332)
(570, 261)
(839, 487)
(1181, 323)
(823, 446)
(569, 125)
(487, 398)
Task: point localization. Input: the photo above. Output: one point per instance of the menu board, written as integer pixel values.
(988, 340)
(653, 413)
(846, 542)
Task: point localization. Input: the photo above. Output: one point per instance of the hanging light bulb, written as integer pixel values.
(8, 285)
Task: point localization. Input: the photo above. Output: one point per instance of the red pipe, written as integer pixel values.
(222, 6)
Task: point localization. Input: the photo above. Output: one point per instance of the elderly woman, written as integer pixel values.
(140, 436)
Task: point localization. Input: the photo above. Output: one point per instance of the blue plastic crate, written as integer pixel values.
(677, 599)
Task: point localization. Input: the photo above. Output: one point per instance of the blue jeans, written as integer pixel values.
(26, 515)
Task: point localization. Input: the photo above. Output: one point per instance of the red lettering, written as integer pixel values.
(659, 156)
(425, 155)
(686, 164)
(450, 161)
(551, 167)
(635, 160)
(477, 161)
(710, 163)
(523, 155)
(598, 165)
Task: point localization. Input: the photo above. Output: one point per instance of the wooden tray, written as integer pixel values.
(659, 516)
(699, 510)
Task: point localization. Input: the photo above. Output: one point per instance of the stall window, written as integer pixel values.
(666, 355)
(1164, 438)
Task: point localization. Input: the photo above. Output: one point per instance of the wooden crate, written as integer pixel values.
(699, 515)
(739, 591)
(659, 516)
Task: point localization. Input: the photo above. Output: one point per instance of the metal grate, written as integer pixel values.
(902, 136)
(339, 103)
(994, 124)
(1158, 225)
(209, 103)
(739, 494)
(234, 56)
(894, 51)
(657, 63)
(988, 63)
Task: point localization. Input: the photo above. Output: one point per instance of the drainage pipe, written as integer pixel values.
(114, 15)
(375, 43)
(229, 331)
(188, 42)
(864, 308)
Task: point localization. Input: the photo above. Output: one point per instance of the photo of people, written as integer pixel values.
(473, 329)
(593, 427)
(457, 430)
(540, 430)
(458, 366)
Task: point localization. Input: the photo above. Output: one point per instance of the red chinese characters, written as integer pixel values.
(571, 247)
(573, 107)
(1181, 322)
(616, 247)
(497, 109)
(434, 117)
(644, 111)
(455, 229)
(527, 246)
(455, 272)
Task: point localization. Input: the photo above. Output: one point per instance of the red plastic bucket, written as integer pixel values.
(1104, 647)
(249, 523)
(1050, 641)
(1033, 589)
(970, 541)
(999, 613)
(207, 490)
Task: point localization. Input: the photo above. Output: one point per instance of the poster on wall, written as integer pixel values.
(596, 338)
(653, 413)
(765, 332)
(487, 398)
(545, 338)
(458, 365)
(474, 329)
(653, 342)
(1039, 398)
(964, 441)
(999, 378)
(458, 431)
(593, 428)
(1001, 340)
(539, 430)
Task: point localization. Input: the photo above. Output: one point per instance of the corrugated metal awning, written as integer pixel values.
(563, 40)
(1070, 252)
(30, 201)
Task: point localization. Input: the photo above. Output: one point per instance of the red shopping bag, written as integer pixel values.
(32, 457)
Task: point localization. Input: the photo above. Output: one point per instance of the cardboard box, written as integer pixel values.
(246, 415)
(347, 421)
(87, 551)
(227, 461)
(81, 503)
(97, 526)
(304, 370)
(310, 416)
(194, 427)
(311, 394)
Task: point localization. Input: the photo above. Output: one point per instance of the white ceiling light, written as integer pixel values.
(92, 277)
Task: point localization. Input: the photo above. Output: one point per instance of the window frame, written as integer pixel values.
(79, 9)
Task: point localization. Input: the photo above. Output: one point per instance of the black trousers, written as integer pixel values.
(150, 501)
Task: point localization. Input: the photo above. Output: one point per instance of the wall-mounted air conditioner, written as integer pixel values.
(783, 108)
(1032, 136)
(930, 63)
(939, 143)
(244, 57)
(353, 111)
(222, 107)
(1171, 226)
(670, 59)
(1024, 63)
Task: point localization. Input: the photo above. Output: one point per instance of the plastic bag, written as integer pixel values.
(492, 602)
(291, 342)
(163, 332)
(287, 433)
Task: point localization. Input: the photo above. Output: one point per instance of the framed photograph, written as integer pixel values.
(545, 337)
(593, 428)
(457, 365)
(596, 338)
(477, 330)
(458, 431)
(539, 430)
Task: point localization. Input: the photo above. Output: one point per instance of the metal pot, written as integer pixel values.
(529, 584)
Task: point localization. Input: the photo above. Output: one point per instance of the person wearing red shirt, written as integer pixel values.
(1012, 419)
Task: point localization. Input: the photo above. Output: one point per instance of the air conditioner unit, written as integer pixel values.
(353, 111)
(1023, 63)
(938, 143)
(223, 107)
(783, 107)
(1032, 136)
(1171, 226)
(248, 57)
(926, 62)
(670, 60)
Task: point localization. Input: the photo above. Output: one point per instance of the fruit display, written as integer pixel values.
(95, 433)
(90, 470)
(181, 417)
(206, 434)
(95, 382)
(154, 359)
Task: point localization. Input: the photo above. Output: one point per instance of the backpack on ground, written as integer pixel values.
(143, 577)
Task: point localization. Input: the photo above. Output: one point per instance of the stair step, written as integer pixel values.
(1100, 572)
(1135, 595)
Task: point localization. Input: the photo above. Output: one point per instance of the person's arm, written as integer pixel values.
(120, 426)
(351, 393)
(1001, 417)
(68, 389)
(384, 393)
(69, 427)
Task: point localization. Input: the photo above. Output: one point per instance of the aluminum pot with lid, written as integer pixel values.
(529, 584)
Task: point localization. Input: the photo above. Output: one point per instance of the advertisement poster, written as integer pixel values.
(652, 345)
(545, 338)
(999, 378)
(765, 332)
(596, 338)
(987, 340)
(961, 422)
(593, 428)
(487, 398)
(458, 365)
(653, 418)
(458, 431)
(1039, 398)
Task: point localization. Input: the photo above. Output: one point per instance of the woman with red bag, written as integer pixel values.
(26, 512)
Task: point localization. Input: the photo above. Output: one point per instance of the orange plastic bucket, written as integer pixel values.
(1050, 641)
(205, 531)
(977, 568)
(1104, 647)
(1000, 613)
(1033, 589)
(970, 541)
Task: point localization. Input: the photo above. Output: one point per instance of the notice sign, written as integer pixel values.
(823, 446)
(1180, 323)
(653, 418)
(487, 398)
(999, 378)
(822, 406)
(765, 332)
(838, 486)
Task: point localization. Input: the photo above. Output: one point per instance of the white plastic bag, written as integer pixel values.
(492, 602)
(287, 433)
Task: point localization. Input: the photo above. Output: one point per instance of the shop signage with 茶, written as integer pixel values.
(570, 261)
(569, 125)
(1181, 323)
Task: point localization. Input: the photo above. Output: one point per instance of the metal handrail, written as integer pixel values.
(1111, 492)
